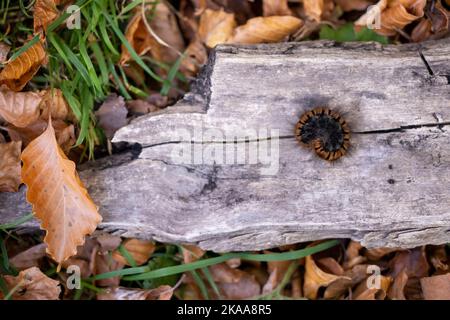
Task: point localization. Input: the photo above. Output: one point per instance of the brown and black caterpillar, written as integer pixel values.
(325, 131)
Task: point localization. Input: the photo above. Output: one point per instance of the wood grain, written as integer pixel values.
(392, 189)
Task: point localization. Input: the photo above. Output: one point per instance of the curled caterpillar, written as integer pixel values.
(325, 131)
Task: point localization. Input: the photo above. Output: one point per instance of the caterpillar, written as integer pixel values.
(325, 131)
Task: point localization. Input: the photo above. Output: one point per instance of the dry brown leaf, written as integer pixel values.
(191, 253)
(350, 5)
(196, 57)
(277, 270)
(65, 134)
(330, 265)
(276, 8)
(18, 72)
(53, 103)
(45, 12)
(29, 258)
(85, 257)
(342, 286)
(313, 9)
(19, 108)
(140, 107)
(167, 44)
(352, 255)
(4, 50)
(138, 37)
(216, 27)
(439, 258)
(104, 262)
(10, 166)
(59, 198)
(139, 250)
(234, 283)
(377, 253)
(122, 293)
(265, 29)
(397, 290)
(32, 284)
(436, 287)
(395, 15)
(108, 242)
(362, 292)
(413, 261)
(112, 115)
(316, 278)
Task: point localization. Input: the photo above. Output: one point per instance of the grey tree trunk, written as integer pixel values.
(222, 168)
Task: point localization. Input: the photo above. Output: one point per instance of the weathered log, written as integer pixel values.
(392, 189)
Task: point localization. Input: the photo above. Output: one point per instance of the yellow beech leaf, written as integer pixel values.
(266, 29)
(276, 8)
(59, 199)
(216, 26)
(18, 72)
(313, 9)
(19, 108)
(316, 278)
(45, 12)
(139, 250)
(10, 166)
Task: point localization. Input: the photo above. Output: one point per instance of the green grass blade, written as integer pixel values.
(24, 48)
(199, 281)
(16, 223)
(132, 52)
(245, 256)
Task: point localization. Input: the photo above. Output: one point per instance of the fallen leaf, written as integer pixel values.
(29, 258)
(53, 103)
(10, 166)
(103, 263)
(352, 255)
(313, 9)
(19, 108)
(85, 257)
(362, 292)
(395, 15)
(191, 253)
(4, 50)
(160, 36)
(434, 26)
(413, 261)
(342, 286)
(139, 250)
(350, 5)
(45, 12)
(32, 284)
(378, 253)
(112, 115)
(59, 198)
(316, 278)
(265, 29)
(277, 269)
(108, 242)
(65, 134)
(122, 293)
(396, 291)
(439, 259)
(196, 57)
(138, 37)
(436, 287)
(276, 8)
(216, 27)
(18, 72)
(330, 265)
(234, 283)
(140, 107)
